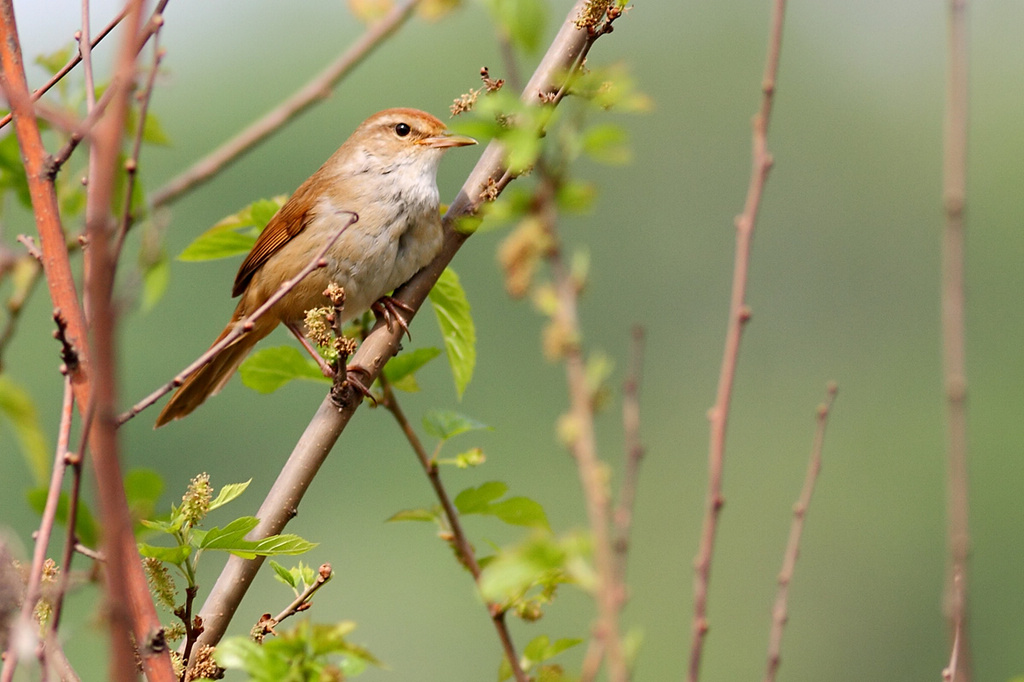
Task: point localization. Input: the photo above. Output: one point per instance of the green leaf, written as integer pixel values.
(520, 511)
(405, 364)
(478, 500)
(12, 172)
(541, 649)
(523, 20)
(276, 545)
(228, 536)
(171, 555)
(85, 524)
(155, 278)
(284, 575)
(235, 234)
(269, 369)
(56, 60)
(17, 407)
(446, 424)
(143, 488)
(221, 244)
(607, 143)
(413, 515)
(228, 493)
(453, 316)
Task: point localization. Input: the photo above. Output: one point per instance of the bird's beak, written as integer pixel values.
(446, 140)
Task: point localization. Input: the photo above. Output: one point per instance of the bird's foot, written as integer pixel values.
(386, 308)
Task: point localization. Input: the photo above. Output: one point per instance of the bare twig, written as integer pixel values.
(131, 166)
(739, 314)
(622, 518)
(136, 632)
(315, 90)
(72, 63)
(569, 46)
(459, 541)
(242, 327)
(24, 625)
(954, 191)
(780, 613)
(300, 603)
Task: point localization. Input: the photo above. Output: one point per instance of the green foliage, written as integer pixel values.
(521, 20)
(268, 369)
(235, 234)
(451, 306)
(20, 414)
(446, 424)
(297, 577)
(539, 650)
(85, 523)
(12, 173)
(400, 371)
(524, 578)
(516, 511)
(308, 653)
(190, 542)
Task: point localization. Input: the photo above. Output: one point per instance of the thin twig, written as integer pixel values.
(622, 518)
(568, 47)
(780, 613)
(33, 590)
(954, 193)
(459, 541)
(739, 314)
(301, 601)
(315, 90)
(16, 304)
(72, 63)
(242, 327)
(131, 165)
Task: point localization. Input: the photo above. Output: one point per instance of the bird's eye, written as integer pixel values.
(402, 129)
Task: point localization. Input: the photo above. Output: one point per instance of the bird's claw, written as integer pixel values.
(386, 308)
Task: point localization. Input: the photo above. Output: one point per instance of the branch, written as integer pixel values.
(300, 603)
(569, 46)
(954, 354)
(315, 90)
(739, 314)
(780, 613)
(72, 63)
(24, 626)
(459, 541)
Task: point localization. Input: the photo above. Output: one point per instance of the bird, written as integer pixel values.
(382, 184)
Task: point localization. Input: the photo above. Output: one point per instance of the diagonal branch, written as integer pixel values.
(567, 50)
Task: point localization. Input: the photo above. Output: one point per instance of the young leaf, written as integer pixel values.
(413, 515)
(453, 316)
(171, 555)
(520, 511)
(235, 234)
(478, 500)
(284, 574)
(446, 424)
(228, 493)
(85, 524)
(269, 369)
(226, 537)
(155, 278)
(17, 407)
(282, 544)
(409, 362)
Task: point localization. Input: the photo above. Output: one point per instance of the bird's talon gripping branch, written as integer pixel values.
(386, 308)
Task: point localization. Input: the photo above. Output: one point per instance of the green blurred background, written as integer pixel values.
(844, 286)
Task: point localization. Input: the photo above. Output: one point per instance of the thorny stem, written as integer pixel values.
(466, 554)
(780, 613)
(739, 314)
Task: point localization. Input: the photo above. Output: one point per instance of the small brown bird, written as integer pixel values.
(386, 174)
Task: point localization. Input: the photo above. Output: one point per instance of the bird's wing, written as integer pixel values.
(289, 221)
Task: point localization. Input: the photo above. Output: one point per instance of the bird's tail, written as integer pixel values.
(209, 379)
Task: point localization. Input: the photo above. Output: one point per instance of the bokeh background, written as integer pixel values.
(844, 286)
